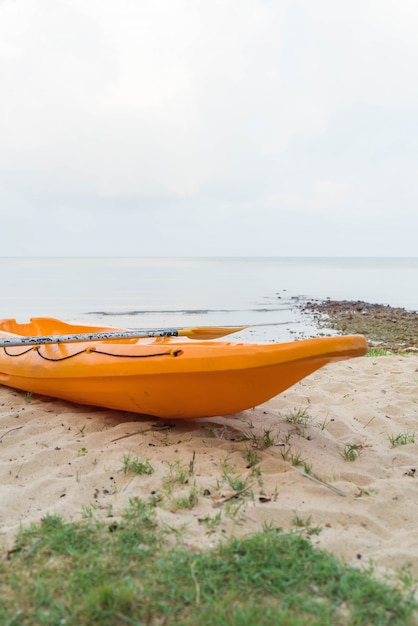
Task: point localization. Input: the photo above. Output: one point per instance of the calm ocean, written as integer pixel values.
(171, 292)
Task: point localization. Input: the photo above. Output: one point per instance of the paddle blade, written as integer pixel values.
(209, 332)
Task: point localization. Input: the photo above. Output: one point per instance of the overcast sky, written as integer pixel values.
(209, 127)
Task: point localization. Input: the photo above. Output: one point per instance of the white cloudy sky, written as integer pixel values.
(209, 127)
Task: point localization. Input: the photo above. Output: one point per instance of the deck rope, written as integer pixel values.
(20, 353)
(94, 350)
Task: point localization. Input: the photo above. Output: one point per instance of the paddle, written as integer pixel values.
(209, 332)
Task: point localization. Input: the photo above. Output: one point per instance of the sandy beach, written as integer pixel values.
(340, 426)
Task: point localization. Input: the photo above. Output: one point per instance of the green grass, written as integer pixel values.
(298, 416)
(136, 466)
(128, 572)
(251, 457)
(350, 452)
(402, 439)
(186, 502)
(268, 440)
(231, 476)
(372, 352)
(306, 524)
(178, 474)
(211, 522)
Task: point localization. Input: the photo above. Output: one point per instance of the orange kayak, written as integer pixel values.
(161, 376)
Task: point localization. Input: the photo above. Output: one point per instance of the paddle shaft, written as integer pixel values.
(199, 333)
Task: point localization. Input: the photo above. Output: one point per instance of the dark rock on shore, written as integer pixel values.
(386, 327)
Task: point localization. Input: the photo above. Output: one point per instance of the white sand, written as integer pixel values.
(58, 458)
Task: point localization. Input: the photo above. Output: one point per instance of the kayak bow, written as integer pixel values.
(160, 375)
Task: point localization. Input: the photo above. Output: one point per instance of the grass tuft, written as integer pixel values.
(188, 501)
(299, 416)
(136, 466)
(350, 452)
(402, 439)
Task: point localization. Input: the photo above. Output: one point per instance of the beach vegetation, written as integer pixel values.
(186, 502)
(307, 467)
(350, 451)
(298, 416)
(231, 476)
(295, 459)
(288, 436)
(257, 473)
(240, 488)
(87, 511)
(322, 425)
(376, 352)
(178, 474)
(82, 431)
(268, 440)
(251, 457)
(211, 522)
(136, 466)
(373, 352)
(407, 577)
(402, 439)
(28, 396)
(253, 460)
(306, 525)
(233, 510)
(261, 442)
(131, 572)
(156, 498)
(285, 452)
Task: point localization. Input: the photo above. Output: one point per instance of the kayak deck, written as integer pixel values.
(165, 377)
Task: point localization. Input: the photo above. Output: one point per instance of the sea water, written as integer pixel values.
(265, 293)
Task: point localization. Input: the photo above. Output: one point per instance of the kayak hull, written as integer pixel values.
(167, 378)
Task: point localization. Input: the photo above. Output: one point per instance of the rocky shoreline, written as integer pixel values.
(389, 328)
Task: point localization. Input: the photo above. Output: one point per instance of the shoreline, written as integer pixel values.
(386, 327)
